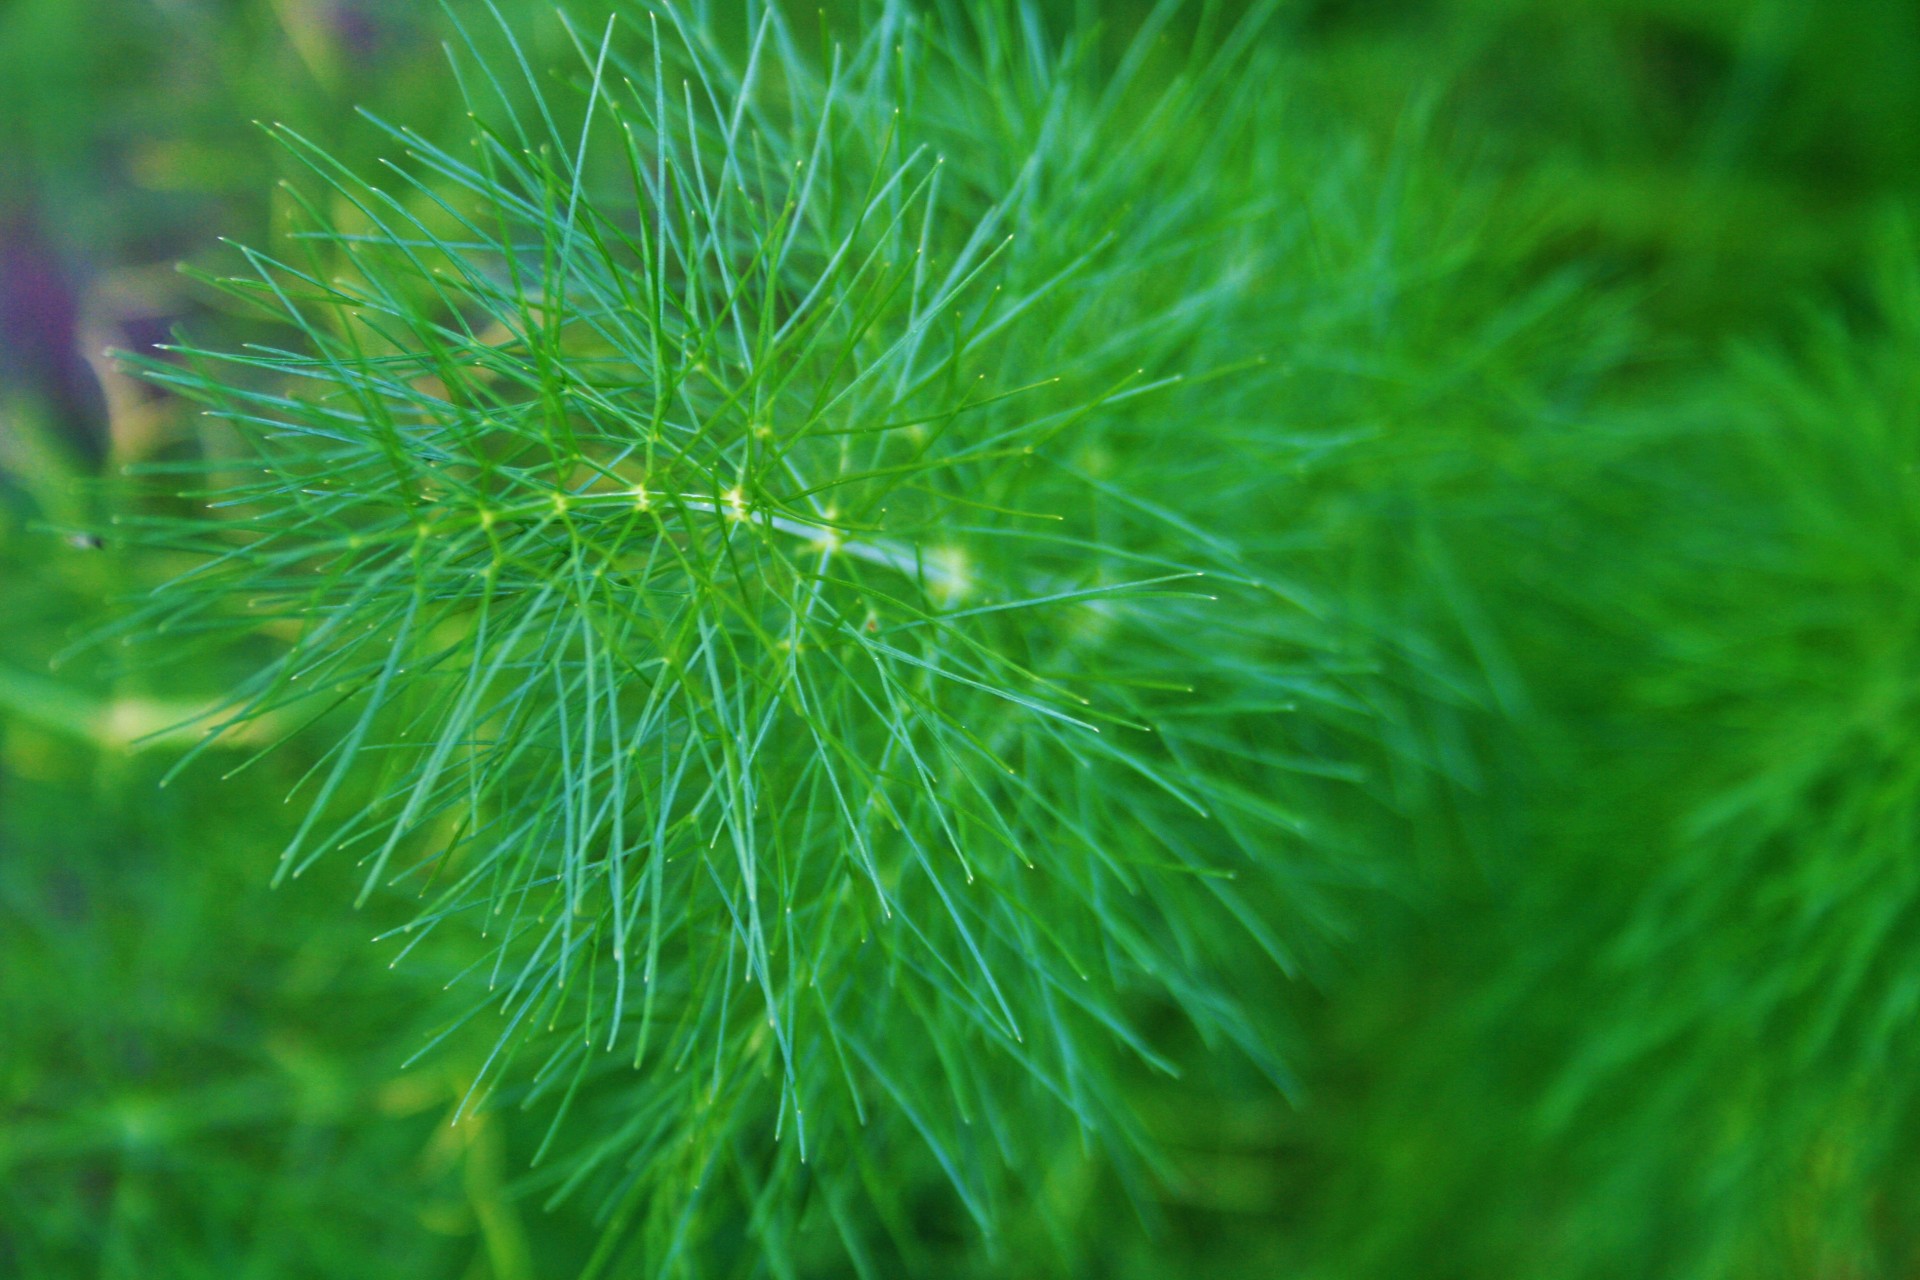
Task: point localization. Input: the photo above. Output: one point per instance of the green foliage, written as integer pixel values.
(969, 640)
(749, 545)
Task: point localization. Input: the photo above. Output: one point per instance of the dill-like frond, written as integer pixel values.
(745, 535)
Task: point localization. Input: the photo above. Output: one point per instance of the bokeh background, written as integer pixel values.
(1639, 993)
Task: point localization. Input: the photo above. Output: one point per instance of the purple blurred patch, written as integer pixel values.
(361, 32)
(40, 354)
(143, 332)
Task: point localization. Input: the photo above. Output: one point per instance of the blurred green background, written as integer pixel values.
(1638, 505)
